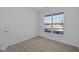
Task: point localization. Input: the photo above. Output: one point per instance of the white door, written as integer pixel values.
(3, 29)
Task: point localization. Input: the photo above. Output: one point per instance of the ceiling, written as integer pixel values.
(39, 8)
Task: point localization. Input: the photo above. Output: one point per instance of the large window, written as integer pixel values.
(47, 23)
(58, 21)
(54, 23)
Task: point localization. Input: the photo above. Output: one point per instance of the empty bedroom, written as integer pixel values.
(39, 29)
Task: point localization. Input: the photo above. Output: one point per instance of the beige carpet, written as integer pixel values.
(41, 44)
(0, 51)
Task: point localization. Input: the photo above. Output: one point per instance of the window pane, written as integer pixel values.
(47, 22)
(58, 20)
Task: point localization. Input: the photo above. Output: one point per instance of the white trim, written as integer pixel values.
(3, 49)
(59, 41)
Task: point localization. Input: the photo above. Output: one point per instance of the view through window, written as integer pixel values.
(47, 23)
(54, 23)
(58, 23)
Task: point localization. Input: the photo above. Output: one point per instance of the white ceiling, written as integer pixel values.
(39, 8)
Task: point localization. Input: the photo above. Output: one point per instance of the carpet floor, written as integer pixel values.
(40, 44)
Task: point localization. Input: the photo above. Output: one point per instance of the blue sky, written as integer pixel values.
(56, 19)
(48, 19)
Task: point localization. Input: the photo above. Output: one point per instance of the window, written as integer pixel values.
(54, 23)
(58, 21)
(47, 23)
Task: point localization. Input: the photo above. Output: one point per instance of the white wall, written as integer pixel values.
(77, 26)
(21, 24)
(70, 32)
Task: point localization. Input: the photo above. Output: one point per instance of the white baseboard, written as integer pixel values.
(59, 41)
(4, 49)
(19, 41)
